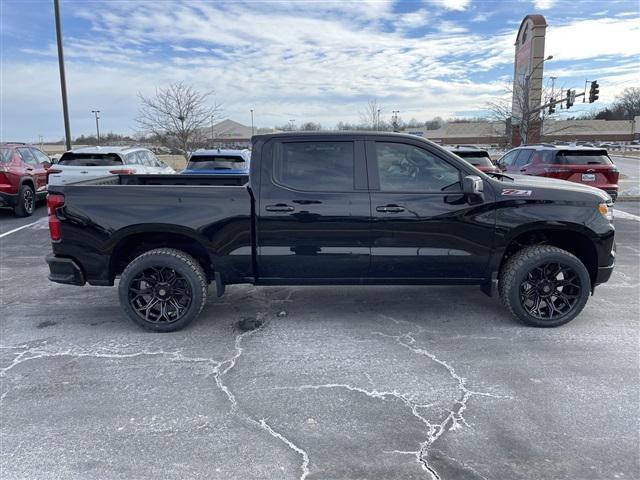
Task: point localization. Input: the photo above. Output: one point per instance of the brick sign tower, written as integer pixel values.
(527, 80)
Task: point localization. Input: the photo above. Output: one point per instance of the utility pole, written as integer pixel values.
(252, 131)
(553, 85)
(395, 120)
(378, 120)
(212, 130)
(96, 113)
(63, 81)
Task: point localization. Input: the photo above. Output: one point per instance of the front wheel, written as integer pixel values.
(163, 290)
(544, 286)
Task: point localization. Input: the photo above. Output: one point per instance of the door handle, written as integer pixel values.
(307, 202)
(29, 169)
(390, 209)
(523, 169)
(280, 207)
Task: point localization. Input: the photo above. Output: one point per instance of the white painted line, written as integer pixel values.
(18, 229)
(625, 215)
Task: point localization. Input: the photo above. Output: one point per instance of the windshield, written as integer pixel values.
(587, 157)
(216, 162)
(476, 158)
(90, 159)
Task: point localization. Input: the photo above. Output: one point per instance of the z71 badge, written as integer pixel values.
(514, 192)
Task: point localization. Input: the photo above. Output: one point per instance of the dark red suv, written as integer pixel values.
(23, 177)
(587, 165)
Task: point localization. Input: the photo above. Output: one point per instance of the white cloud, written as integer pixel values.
(544, 4)
(451, 4)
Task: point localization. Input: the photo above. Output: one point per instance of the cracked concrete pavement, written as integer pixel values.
(332, 383)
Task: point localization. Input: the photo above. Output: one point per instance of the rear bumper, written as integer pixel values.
(8, 199)
(64, 270)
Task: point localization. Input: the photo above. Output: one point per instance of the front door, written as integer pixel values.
(423, 226)
(314, 210)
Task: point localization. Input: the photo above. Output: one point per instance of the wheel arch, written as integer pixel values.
(133, 242)
(574, 238)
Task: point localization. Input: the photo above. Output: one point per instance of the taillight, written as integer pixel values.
(54, 201)
(123, 171)
(52, 171)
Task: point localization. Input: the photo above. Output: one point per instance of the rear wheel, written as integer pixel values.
(544, 286)
(26, 201)
(163, 289)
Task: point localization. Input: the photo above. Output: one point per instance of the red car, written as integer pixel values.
(476, 157)
(587, 165)
(23, 177)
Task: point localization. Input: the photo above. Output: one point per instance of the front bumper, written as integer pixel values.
(8, 200)
(64, 270)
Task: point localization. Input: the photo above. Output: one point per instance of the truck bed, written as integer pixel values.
(213, 211)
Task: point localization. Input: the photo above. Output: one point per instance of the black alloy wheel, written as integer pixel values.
(159, 294)
(163, 289)
(550, 291)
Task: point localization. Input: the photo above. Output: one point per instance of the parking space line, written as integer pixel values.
(625, 215)
(18, 229)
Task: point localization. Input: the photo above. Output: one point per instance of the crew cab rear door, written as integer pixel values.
(313, 209)
(423, 226)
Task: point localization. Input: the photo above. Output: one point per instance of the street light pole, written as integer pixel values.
(96, 112)
(378, 120)
(252, 132)
(395, 120)
(63, 81)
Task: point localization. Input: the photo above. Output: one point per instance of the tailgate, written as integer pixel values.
(63, 174)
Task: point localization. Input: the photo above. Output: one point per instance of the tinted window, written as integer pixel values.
(27, 156)
(40, 157)
(523, 158)
(476, 158)
(509, 158)
(316, 166)
(90, 159)
(405, 168)
(5, 155)
(216, 162)
(577, 157)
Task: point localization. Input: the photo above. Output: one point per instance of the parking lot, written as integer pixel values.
(315, 382)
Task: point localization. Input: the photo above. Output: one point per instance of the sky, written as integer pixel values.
(297, 60)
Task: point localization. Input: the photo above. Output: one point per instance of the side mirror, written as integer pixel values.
(472, 187)
(46, 165)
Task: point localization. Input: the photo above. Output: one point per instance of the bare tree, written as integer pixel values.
(177, 115)
(310, 126)
(370, 115)
(629, 102)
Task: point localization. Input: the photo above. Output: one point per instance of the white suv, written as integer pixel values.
(92, 162)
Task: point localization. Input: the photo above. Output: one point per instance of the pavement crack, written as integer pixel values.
(454, 420)
(305, 457)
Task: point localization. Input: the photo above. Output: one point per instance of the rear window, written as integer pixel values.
(5, 155)
(90, 159)
(476, 158)
(577, 157)
(216, 162)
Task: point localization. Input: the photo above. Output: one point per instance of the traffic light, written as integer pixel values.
(571, 97)
(552, 106)
(594, 91)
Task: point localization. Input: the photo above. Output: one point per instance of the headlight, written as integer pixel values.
(606, 211)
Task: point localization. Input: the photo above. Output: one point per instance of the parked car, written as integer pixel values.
(334, 208)
(23, 177)
(476, 157)
(223, 162)
(93, 162)
(586, 165)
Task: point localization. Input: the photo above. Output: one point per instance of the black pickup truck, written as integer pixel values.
(334, 208)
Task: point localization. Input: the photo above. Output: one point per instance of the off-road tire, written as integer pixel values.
(23, 208)
(517, 268)
(178, 261)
